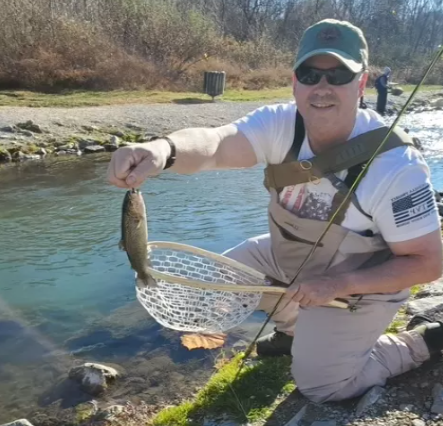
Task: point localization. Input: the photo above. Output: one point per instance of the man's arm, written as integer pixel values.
(212, 148)
(197, 149)
(416, 261)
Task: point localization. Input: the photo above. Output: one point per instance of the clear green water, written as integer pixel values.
(67, 292)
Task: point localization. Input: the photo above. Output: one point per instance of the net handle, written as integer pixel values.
(220, 286)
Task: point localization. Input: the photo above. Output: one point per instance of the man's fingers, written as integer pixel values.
(139, 174)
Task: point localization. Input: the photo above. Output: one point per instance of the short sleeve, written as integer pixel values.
(269, 129)
(407, 209)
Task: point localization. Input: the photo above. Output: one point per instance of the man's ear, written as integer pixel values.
(294, 83)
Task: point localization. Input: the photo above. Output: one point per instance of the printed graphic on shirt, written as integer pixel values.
(413, 205)
(306, 203)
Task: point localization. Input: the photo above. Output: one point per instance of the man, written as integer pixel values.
(383, 242)
(381, 85)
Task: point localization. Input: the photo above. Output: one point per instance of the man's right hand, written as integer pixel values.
(131, 165)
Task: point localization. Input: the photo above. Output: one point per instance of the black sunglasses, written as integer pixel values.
(336, 76)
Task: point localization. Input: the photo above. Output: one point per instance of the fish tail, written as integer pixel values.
(145, 280)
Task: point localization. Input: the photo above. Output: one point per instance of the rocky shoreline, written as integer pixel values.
(414, 398)
(28, 134)
(104, 129)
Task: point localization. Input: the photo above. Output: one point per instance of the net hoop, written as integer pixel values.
(201, 291)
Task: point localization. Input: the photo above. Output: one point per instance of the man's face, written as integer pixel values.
(327, 105)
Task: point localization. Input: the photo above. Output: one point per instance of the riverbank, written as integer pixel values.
(145, 373)
(28, 133)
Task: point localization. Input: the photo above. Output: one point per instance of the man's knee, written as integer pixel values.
(320, 383)
(318, 390)
(241, 250)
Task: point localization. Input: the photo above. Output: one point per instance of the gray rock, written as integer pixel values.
(418, 422)
(67, 147)
(133, 126)
(406, 407)
(21, 422)
(113, 144)
(396, 91)
(325, 423)
(117, 133)
(31, 126)
(93, 378)
(26, 133)
(426, 306)
(90, 128)
(9, 129)
(5, 157)
(109, 413)
(430, 290)
(83, 143)
(295, 421)
(437, 394)
(93, 149)
(114, 140)
(41, 151)
(370, 398)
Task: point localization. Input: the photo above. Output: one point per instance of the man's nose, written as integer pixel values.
(322, 86)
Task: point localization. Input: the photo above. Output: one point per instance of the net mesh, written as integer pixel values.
(192, 309)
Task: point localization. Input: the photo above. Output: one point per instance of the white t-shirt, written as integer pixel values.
(396, 191)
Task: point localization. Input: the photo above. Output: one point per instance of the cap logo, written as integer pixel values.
(329, 34)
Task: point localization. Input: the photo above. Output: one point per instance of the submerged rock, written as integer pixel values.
(21, 422)
(93, 378)
(5, 156)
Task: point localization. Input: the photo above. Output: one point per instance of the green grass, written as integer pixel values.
(257, 388)
(90, 98)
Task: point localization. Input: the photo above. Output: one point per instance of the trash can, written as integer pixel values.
(214, 83)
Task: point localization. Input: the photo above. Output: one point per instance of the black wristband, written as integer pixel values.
(171, 159)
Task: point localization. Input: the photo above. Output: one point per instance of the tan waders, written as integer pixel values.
(337, 353)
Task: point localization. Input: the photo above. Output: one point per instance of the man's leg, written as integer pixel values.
(338, 354)
(257, 254)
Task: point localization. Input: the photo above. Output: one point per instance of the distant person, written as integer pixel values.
(381, 85)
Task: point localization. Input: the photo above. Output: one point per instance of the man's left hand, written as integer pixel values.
(315, 292)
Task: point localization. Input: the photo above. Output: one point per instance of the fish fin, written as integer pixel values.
(121, 245)
(145, 280)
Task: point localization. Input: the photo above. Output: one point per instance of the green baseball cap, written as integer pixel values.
(337, 38)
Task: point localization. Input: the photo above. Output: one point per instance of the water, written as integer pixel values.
(66, 291)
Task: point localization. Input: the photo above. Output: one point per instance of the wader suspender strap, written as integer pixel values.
(351, 156)
(354, 152)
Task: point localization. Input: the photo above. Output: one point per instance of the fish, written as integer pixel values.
(134, 236)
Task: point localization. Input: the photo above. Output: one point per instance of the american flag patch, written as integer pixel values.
(413, 206)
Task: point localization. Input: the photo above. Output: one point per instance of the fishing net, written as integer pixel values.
(199, 291)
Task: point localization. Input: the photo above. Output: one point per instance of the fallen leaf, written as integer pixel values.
(205, 341)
